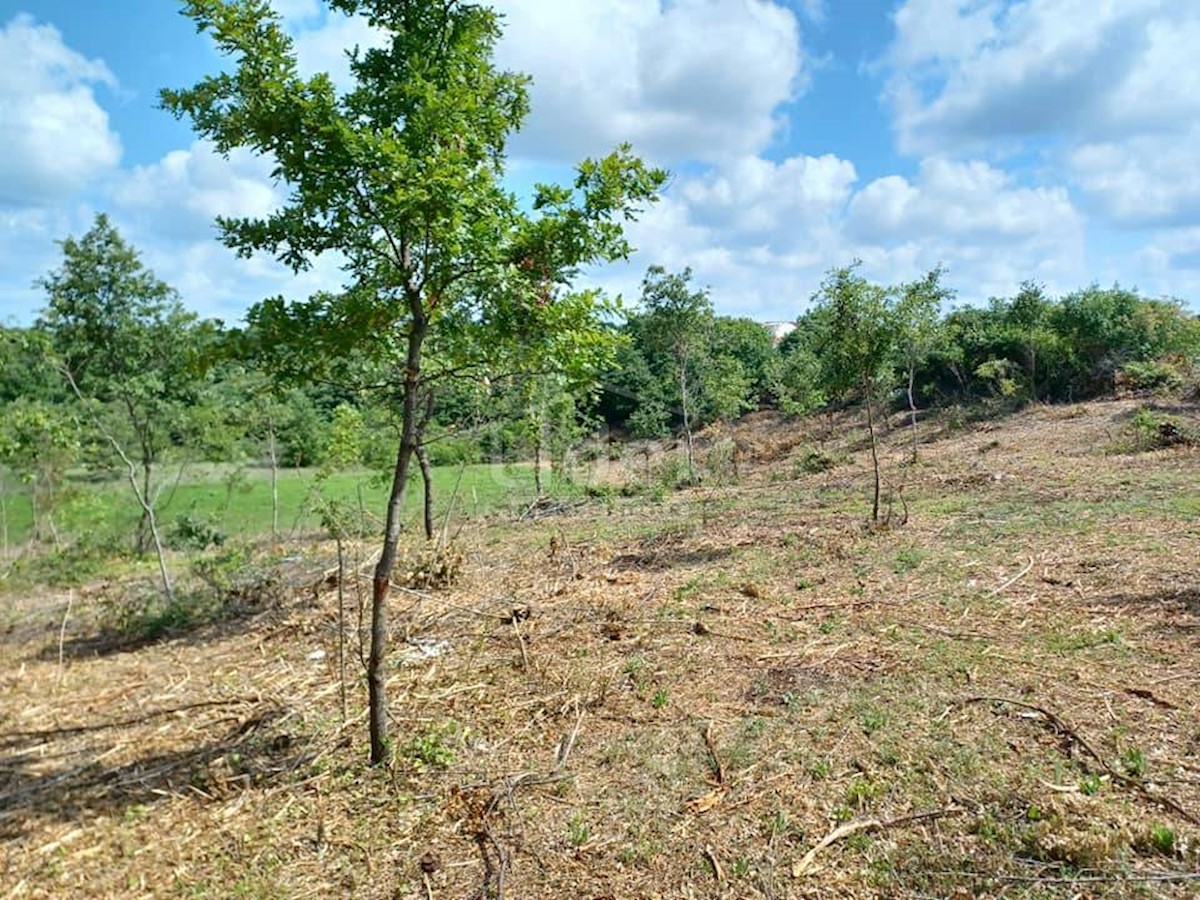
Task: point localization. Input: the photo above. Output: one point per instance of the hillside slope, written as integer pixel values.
(736, 691)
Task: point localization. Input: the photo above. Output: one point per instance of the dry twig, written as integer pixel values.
(860, 825)
(1058, 724)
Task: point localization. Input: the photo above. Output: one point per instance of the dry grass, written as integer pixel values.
(675, 699)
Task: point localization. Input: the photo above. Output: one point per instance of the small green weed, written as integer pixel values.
(907, 561)
(578, 832)
(1134, 762)
(433, 748)
(1162, 838)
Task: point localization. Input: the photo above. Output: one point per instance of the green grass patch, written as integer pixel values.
(237, 503)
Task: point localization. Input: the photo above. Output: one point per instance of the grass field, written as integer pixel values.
(237, 501)
(739, 691)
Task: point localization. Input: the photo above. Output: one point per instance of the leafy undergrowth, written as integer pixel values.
(734, 692)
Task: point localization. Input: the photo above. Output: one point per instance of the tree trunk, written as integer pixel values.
(874, 453)
(687, 424)
(427, 483)
(376, 676)
(912, 405)
(341, 594)
(4, 514)
(423, 461)
(34, 511)
(273, 458)
(537, 459)
(143, 529)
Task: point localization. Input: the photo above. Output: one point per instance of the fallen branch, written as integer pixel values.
(1060, 725)
(1000, 590)
(858, 826)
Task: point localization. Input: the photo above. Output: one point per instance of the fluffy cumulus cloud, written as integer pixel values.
(762, 234)
(182, 194)
(1149, 180)
(659, 75)
(169, 209)
(1108, 91)
(57, 137)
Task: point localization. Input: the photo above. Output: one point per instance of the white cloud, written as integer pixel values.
(763, 234)
(168, 208)
(971, 200)
(754, 196)
(323, 47)
(659, 75)
(28, 252)
(1147, 180)
(57, 137)
(966, 73)
(694, 79)
(181, 194)
(1105, 91)
(297, 10)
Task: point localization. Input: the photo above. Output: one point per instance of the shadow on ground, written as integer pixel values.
(61, 773)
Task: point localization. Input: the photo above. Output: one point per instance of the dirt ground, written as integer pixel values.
(731, 691)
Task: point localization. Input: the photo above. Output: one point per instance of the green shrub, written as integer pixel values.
(454, 451)
(1150, 430)
(670, 472)
(720, 463)
(814, 462)
(1153, 376)
(193, 532)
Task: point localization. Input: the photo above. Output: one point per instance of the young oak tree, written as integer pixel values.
(129, 352)
(401, 175)
(857, 356)
(919, 328)
(674, 326)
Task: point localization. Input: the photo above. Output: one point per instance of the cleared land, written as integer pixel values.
(738, 691)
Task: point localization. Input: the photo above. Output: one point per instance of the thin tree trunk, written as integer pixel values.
(912, 405)
(4, 513)
(427, 483)
(36, 534)
(537, 459)
(376, 676)
(687, 425)
(144, 523)
(142, 499)
(874, 454)
(423, 461)
(273, 458)
(341, 594)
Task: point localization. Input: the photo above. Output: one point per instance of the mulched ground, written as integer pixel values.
(739, 691)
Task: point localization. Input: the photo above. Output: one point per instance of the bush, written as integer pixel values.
(670, 472)
(814, 462)
(192, 532)
(1151, 376)
(1151, 430)
(454, 451)
(720, 465)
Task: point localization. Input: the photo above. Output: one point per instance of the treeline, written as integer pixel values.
(117, 376)
(681, 360)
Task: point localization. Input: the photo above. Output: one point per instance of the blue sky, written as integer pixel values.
(1057, 140)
